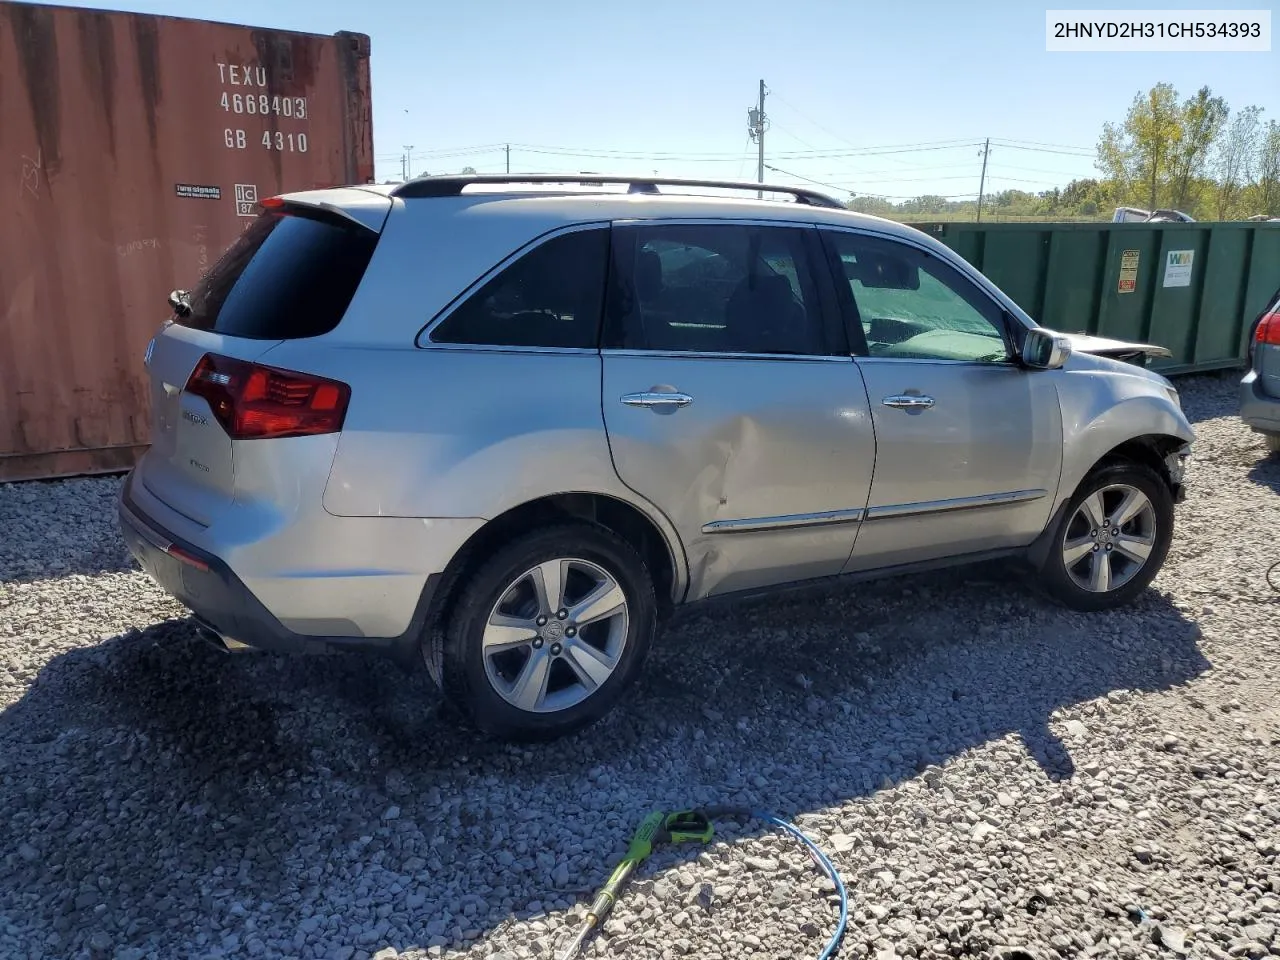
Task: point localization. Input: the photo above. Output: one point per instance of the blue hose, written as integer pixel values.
(828, 868)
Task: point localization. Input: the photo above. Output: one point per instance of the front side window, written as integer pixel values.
(914, 306)
(714, 288)
(549, 297)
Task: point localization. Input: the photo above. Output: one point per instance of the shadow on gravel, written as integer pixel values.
(1266, 471)
(249, 777)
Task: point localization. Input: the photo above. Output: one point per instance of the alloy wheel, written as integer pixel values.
(1110, 538)
(555, 635)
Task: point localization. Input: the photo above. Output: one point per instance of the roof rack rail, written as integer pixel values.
(452, 186)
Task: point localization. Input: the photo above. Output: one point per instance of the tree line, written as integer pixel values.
(1191, 154)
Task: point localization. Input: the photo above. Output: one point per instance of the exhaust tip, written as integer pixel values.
(215, 639)
(210, 638)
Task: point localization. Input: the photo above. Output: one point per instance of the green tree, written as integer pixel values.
(877, 206)
(468, 171)
(1236, 159)
(1139, 152)
(1200, 122)
(1087, 197)
(1266, 188)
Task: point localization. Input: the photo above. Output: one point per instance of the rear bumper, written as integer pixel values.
(1258, 409)
(224, 606)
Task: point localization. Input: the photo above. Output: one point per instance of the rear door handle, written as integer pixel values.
(904, 401)
(657, 401)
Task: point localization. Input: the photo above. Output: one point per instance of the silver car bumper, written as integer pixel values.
(1258, 409)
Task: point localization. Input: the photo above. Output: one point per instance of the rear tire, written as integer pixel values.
(1112, 539)
(526, 659)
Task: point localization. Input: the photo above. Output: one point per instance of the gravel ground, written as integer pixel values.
(992, 774)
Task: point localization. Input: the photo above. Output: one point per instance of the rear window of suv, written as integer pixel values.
(289, 275)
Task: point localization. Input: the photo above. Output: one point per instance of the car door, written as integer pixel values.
(731, 401)
(968, 441)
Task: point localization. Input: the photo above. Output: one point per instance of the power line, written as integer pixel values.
(956, 176)
(876, 152)
(1014, 166)
(605, 152)
(1036, 143)
(691, 158)
(1022, 180)
(895, 170)
(917, 196)
(795, 137)
(813, 121)
(829, 132)
(819, 183)
(474, 148)
(657, 158)
(687, 156)
(1065, 153)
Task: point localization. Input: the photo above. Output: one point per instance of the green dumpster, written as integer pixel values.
(1193, 288)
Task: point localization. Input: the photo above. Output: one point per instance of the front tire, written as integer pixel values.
(1112, 539)
(549, 633)
(1272, 441)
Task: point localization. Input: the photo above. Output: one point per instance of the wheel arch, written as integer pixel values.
(1152, 450)
(659, 547)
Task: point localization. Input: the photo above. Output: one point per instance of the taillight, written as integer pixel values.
(1269, 329)
(253, 402)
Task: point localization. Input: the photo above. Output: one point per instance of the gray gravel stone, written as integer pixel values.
(956, 744)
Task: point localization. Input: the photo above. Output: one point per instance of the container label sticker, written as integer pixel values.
(246, 199)
(1128, 271)
(1177, 268)
(197, 192)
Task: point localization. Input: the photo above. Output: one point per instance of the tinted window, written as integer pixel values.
(288, 275)
(913, 305)
(731, 288)
(550, 297)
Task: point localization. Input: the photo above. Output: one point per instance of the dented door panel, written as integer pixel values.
(764, 472)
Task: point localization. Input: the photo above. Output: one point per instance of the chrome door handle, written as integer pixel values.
(649, 398)
(908, 402)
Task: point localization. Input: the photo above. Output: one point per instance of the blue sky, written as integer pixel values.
(665, 86)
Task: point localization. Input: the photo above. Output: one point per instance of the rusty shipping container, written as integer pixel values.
(133, 149)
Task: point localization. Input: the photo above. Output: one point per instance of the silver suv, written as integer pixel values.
(506, 425)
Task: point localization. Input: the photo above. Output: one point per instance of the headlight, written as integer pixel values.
(1173, 395)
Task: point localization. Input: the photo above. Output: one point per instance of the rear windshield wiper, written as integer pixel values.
(180, 300)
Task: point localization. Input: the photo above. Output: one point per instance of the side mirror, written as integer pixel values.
(1045, 350)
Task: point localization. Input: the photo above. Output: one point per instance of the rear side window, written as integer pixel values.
(289, 275)
(714, 288)
(552, 296)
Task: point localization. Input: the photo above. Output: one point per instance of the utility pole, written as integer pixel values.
(756, 123)
(982, 183)
(508, 158)
(404, 162)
